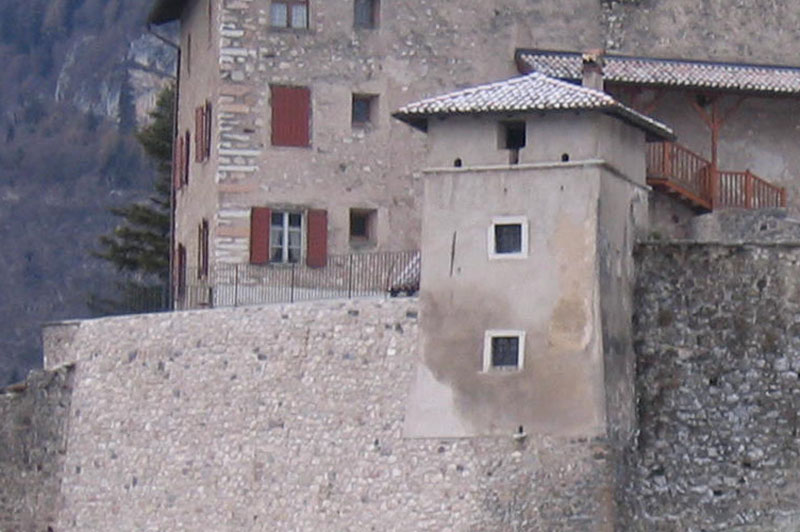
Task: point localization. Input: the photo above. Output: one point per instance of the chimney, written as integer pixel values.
(593, 69)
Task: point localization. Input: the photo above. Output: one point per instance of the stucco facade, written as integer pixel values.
(578, 193)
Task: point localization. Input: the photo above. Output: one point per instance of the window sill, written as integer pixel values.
(507, 256)
(282, 29)
(361, 244)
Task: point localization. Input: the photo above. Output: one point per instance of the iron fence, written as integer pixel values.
(343, 276)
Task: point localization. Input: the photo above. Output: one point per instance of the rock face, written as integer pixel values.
(77, 78)
(718, 387)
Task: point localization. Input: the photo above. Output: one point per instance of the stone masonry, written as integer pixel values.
(290, 418)
(33, 442)
(718, 347)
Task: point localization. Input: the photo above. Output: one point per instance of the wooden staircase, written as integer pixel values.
(678, 171)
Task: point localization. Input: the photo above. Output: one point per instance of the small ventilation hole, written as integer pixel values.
(457, 163)
(564, 157)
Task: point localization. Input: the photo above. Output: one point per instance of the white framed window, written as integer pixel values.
(289, 14)
(508, 237)
(285, 237)
(503, 350)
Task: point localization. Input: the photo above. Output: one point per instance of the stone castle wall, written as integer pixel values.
(718, 347)
(33, 441)
(290, 418)
(294, 415)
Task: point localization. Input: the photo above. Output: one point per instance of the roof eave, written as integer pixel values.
(164, 11)
(653, 132)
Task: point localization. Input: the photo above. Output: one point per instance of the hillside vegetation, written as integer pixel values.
(71, 88)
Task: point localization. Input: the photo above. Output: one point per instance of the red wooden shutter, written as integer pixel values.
(207, 137)
(177, 152)
(198, 134)
(317, 255)
(260, 218)
(291, 113)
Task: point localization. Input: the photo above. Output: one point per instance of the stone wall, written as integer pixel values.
(718, 345)
(291, 418)
(34, 418)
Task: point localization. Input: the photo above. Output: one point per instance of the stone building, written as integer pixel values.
(556, 372)
(286, 152)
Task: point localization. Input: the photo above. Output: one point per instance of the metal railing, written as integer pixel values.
(343, 276)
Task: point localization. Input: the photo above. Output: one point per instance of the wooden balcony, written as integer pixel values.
(676, 170)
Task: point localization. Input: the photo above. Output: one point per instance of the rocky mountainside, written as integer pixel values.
(78, 77)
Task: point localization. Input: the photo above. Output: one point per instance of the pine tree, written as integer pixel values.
(139, 245)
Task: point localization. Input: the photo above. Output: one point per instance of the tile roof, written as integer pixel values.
(531, 92)
(669, 72)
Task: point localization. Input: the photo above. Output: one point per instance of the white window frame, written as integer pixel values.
(285, 230)
(487, 350)
(288, 20)
(508, 220)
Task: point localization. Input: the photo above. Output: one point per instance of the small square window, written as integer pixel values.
(508, 237)
(362, 226)
(503, 350)
(365, 14)
(363, 109)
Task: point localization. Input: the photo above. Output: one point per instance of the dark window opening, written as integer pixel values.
(513, 135)
(365, 14)
(564, 157)
(363, 109)
(362, 226)
(180, 274)
(508, 238)
(512, 138)
(457, 163)
(505, 351)
(202, 250)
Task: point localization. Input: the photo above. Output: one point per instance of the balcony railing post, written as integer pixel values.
(350, 277)
(748, 189)
(783, 196)
(235, 285)
(713, 188)
(291, 286)
(667, 161)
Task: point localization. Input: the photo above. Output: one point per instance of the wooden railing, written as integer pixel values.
(683, 172)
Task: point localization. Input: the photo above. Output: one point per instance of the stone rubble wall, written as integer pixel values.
(290, 418)
(717, 331)
(33, 428)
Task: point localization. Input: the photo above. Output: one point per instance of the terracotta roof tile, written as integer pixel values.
(532, 92)
(669, 72)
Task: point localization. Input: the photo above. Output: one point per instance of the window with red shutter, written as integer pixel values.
(259, 234)
(199, 133)
(207, 131)
(177, 153)
(291, 115)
